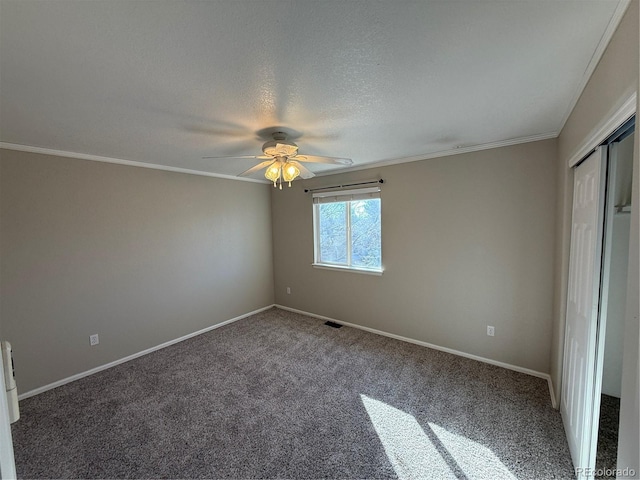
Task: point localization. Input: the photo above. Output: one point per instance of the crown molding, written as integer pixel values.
(609, 125)
(618, 13)
(383, 163)
(444, 153)
(120, 161)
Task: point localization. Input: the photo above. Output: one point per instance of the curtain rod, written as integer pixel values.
(368, 182)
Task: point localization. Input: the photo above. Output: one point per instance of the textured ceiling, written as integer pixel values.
(168, 82)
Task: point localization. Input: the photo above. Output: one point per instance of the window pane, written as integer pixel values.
(333, 232)
(366, 240)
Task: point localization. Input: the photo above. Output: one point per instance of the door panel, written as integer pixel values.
(582, 307)
(7, 463)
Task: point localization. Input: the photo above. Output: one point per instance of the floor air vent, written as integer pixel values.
(333, 324)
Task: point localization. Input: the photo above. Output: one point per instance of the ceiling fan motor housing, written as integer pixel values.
(280, 147)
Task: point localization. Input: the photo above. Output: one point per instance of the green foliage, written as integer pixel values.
(363, 239)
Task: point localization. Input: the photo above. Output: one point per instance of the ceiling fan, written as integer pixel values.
(282, 161)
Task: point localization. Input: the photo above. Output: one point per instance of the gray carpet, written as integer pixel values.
(607, 453)
(281, 395)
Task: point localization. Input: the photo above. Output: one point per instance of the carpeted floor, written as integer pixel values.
(607, 453)
(281, 395)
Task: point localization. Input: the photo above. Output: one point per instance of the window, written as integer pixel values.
(347, 229)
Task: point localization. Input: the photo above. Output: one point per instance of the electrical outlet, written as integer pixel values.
(94, 340)
(491, 331)
(288, 290)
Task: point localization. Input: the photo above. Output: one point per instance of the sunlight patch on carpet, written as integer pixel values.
(476, 460)
(435, 453)
(408, 448)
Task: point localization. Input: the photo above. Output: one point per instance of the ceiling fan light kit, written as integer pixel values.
(282, 169)
(278, 159)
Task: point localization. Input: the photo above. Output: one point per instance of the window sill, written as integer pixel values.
(325, 266)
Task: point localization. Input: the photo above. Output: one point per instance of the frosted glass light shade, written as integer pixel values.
(290, 172)
(273, 172)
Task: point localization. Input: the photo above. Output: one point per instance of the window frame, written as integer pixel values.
(348, 267)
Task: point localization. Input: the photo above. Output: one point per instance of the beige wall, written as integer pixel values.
(138, 256)
(467, 242)
(629, 435)
(613, 81)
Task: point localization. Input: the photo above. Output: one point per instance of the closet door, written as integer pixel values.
(583, 296)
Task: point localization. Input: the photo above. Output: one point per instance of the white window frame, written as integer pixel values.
(346, 196)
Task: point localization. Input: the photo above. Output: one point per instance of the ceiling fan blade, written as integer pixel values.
(330, 160)
(257, 167)
(222, 128)
(257, 157)
(221, 132)
(304, 171)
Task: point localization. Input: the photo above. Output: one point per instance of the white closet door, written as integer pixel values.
(583, 297)
(7, 463)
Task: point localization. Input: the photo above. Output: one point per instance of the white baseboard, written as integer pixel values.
(508, 366)
(78, 376)
(552, 392)
(86, 373)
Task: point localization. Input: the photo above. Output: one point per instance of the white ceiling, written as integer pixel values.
(168, 82)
